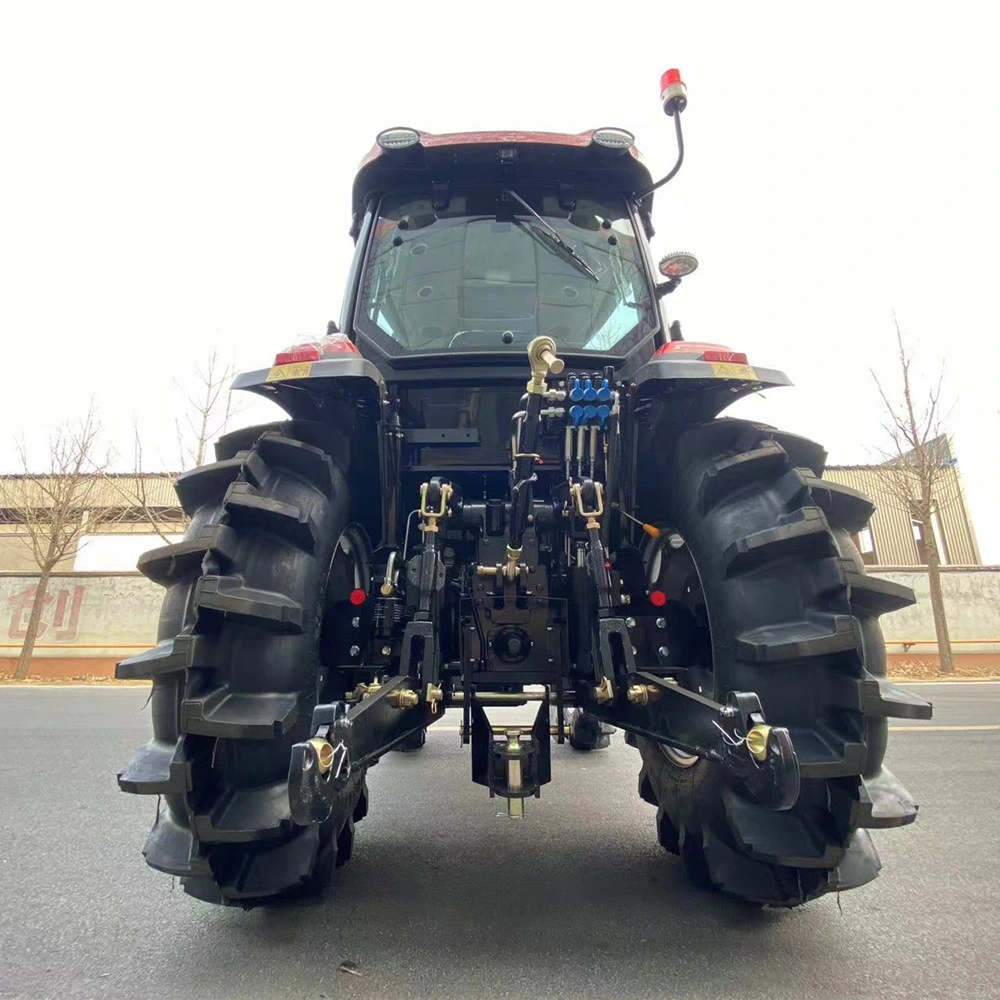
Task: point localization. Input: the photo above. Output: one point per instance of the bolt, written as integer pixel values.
(603, 692)
(728, 712)
(638, 694)
(663, 651)
(630, 622)
(355, 622)
(405, 699)
(355, 650)
(626, 599)
(661, 622)
(386, 650)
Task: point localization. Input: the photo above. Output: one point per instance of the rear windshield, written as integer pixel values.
(484, 274)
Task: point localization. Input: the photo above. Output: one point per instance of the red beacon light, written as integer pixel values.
(673, 93)
(316, 350)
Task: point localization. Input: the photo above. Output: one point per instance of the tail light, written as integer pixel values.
(701, 351)
(316, 350)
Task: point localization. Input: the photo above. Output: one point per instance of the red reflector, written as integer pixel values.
(733, 357)
(693, 347)
(657, 598)
(337, 343)
(358, 597)
(302, 352)
(314, 350)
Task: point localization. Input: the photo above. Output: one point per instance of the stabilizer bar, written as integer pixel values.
(347, 739)
(734, 735)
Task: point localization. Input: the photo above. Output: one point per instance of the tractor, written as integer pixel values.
(504, 480)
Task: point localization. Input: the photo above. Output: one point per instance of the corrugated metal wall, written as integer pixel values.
(891, 527)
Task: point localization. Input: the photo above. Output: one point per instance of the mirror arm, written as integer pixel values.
(666, 287)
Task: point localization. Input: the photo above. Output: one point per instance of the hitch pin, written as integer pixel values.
(750, 740)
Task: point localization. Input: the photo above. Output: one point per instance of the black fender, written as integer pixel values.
(349, 393)
(306, 389)
(689, 390)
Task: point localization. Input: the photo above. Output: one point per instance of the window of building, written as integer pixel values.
(864, 542)
(939, 538)
(920, 539)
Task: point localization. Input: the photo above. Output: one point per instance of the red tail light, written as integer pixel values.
(701, 351)
(733, 357)
(316, 350)
(300, 352)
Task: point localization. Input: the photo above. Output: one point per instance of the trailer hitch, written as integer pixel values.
(348, 738)
(515, 763)
(735, 734)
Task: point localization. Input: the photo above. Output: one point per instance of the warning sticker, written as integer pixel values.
(726, 369)
(280, 373)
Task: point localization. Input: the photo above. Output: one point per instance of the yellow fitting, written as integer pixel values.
(433, 697)
(542, 359)
(576, 491)
(757, 741)
(638, 694)
(511, 566)
(404, 699)
(642, 694)
(603, 692)
(386, 590)
(324, 754)
(429, 516)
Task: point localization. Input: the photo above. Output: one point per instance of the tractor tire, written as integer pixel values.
(794, 618)
(237, 668)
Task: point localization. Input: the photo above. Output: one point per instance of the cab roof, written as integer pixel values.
(512, 156)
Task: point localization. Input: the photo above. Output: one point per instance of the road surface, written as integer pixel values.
(444, 898)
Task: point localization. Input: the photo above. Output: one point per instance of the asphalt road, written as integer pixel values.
(444, 898)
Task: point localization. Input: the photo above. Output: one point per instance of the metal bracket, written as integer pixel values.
(510, 765)
(348, 739)
(735, 735)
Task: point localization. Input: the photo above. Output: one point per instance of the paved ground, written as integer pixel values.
(446, 899)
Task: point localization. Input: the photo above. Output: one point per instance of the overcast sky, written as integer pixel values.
(176, 176)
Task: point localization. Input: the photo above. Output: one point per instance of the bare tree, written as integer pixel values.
(210, 411)
(57, 507)
(916, 474)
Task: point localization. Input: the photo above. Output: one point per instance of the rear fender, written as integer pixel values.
(305, 390)
(678, 380)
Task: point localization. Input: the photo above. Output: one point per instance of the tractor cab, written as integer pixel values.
(473, 244)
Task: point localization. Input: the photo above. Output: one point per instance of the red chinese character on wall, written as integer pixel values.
(60, 613)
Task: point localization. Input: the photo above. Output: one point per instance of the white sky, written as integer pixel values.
(176, 176)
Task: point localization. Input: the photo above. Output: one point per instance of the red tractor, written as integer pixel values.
(504, 480)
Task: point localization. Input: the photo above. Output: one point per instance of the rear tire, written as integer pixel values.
(794, 618)
(237, 670)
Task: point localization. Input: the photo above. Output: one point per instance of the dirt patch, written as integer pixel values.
(98, 680)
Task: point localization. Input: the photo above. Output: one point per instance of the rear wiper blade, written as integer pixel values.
(550, 238)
